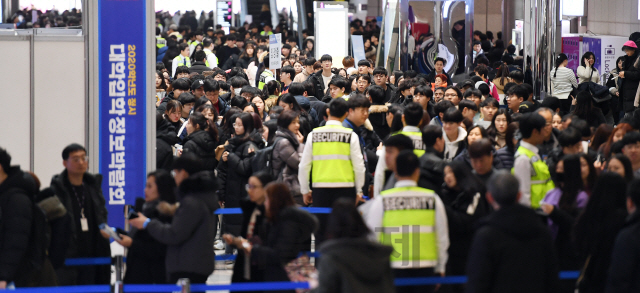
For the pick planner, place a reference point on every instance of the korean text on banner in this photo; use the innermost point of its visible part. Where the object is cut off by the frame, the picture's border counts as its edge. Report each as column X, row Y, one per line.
column 122, row 102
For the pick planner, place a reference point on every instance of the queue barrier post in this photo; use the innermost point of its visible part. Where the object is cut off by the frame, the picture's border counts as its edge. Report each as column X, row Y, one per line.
column 118, row 286
column 185, row 285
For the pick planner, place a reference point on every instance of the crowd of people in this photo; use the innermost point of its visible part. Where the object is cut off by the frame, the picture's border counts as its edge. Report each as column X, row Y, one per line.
column 424, row 177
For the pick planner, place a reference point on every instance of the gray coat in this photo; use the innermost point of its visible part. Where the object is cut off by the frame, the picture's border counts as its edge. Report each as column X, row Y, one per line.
column 189, row 237
column 286, row 158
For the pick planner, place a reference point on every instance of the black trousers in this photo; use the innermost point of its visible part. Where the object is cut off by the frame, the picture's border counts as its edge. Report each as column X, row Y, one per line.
column 324, row 198
column 414, row 273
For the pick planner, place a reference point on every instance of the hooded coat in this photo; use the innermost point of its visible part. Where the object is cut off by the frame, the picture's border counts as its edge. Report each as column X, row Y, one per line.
column 455, row 147
column 15, row 224
column 201, row 144
column 286, row 158
column 512, row 251
column 629, row 84
column 166, row 137
column 234, row 175
column 287, row 236
column 355, row 265
column 190, row 235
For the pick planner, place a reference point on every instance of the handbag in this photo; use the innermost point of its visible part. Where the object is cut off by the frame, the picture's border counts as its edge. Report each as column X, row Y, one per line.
column 599, row 93
column 301, row 270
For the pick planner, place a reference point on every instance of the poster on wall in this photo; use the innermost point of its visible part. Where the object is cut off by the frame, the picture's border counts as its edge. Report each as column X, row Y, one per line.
column 122, row 103
column 571, row 48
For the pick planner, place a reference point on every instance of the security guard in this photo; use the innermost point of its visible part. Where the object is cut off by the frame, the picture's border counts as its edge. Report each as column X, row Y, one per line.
column 412, row 120
column 212, row 60
column 266, row 75
column 532, row 172
column 338, row 167
column 182, row 59
column 413, row 221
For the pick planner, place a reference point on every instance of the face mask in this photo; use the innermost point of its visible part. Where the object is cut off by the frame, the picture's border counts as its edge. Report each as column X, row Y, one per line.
column 237, row 91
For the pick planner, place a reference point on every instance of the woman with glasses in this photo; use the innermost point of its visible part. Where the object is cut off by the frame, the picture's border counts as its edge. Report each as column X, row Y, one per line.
column 253, row 228
column 586, row 70
column 234, row 169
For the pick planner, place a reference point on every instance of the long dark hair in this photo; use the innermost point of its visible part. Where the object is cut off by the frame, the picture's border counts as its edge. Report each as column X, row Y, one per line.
column 345, row 221
column 626, row 163
column 607, row 201
column 244, row 52
column 503, row 73
column 509, row 136
column 227, row 123
column 280, row 198
column 197, row 119
column 561, row 58
column 492, row 130
column 587, row 55
column 166, row 185
column 584, row 106
column 571, row 184
column 163, row 85
column 291, row 100
column 465, row 180
column 247, row 123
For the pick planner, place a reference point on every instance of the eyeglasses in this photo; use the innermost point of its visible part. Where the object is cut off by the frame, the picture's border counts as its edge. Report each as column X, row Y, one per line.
column 250, row 187
column 80, row 159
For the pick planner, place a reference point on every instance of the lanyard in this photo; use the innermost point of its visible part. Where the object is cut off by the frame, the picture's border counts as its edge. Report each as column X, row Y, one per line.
column 80, row 203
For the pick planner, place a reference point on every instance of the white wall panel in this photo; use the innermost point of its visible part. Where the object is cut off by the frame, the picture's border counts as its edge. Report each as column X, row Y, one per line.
column 60, row 106
column 15, row 99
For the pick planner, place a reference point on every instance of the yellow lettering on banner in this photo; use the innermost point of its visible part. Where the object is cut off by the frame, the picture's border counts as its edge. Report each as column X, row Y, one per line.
column 132, row 106
column 131, row 82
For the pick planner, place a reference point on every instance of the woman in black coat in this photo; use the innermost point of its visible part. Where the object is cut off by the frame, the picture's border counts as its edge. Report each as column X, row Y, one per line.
column 201, row 140
column 253, row 229
column 464, row 197
column 146, row 256
column 287, row 151
column 596, row 230
column 630, row 77
column 235, row 169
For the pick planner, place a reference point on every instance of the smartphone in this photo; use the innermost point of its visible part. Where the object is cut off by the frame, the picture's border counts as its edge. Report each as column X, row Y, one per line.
column 131, row 211
column 104, row 227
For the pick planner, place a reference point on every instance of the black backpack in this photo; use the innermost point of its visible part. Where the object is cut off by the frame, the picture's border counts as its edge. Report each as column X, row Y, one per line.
column 262, row 160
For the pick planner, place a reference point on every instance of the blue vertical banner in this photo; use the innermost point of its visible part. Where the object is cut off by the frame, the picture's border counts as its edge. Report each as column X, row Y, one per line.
column 122, row 41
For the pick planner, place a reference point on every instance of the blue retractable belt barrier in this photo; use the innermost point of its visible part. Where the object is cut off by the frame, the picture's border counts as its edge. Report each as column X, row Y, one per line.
column 87, row 261
column 238, row 211
column 263, row 286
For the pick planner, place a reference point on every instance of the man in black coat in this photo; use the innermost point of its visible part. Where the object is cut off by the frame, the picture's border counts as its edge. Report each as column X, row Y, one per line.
column 15, row 221
column 431, row 162
column 81, row 194
column 512, row 250
column 199, row 66
column 624, row 272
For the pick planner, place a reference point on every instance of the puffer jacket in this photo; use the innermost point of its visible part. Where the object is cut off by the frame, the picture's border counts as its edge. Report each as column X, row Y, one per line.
column 286, row 158
column 629, row 85
column 165, row 138
column 189, row 237
column 201, row 144
column 505, row 155
column 234, row 174
column 15, row 224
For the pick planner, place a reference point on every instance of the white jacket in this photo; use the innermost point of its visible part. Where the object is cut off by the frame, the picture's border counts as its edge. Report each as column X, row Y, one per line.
column 451, row 147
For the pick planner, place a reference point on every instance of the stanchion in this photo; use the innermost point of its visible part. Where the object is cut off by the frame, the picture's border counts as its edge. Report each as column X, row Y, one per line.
column 185, row 285
column 118, row 286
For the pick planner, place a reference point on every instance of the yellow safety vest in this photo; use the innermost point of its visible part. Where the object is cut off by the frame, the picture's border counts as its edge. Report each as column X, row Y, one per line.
column 541, row 181
column 416, row 137
column 331, row 165
column 270, row 33
column 263, row 77
column 206, row 61
column 409, row 225
column 182, row 61
column 161, row 42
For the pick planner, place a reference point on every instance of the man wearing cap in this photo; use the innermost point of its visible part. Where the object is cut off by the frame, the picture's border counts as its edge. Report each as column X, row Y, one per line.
column 630, row 77
column 197, row 88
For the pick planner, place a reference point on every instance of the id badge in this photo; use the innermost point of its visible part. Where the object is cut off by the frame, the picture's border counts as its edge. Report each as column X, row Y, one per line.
column 84, row 224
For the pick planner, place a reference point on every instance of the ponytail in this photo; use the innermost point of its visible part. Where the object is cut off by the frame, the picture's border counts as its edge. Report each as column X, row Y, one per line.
column 561, row 58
